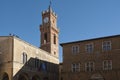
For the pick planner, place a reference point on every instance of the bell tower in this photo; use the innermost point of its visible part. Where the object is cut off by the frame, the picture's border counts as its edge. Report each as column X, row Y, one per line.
column 49, row 32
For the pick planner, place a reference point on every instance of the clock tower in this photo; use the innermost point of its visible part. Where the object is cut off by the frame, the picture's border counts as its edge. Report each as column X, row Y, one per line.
column 49, row 32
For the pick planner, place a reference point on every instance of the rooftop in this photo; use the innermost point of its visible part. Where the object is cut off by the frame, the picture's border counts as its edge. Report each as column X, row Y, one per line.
column 90, row 39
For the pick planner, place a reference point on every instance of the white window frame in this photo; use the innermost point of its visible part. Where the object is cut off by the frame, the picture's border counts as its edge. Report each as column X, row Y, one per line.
column 75, row 49
column 75, row 67
column 105, row 46
column 89, row 48
column 89, row 67
column 107, row 65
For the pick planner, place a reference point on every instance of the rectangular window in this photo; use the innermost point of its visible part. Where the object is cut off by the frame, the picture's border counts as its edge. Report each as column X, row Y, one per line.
column 89, row 48
column 37, row 63
column 54, row 41
column 107, row 65
column 75, row 67
column 106, row 46
column 89, row 66
column 75, row 49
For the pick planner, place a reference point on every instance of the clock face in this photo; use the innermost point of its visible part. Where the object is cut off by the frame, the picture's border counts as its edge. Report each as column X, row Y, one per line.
column 46, row 20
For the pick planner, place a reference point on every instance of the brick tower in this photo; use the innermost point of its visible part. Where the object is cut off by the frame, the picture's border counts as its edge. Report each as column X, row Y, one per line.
column 49, row 32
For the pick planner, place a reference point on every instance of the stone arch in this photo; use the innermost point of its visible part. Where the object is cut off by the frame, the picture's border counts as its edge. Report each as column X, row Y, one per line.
column 45, row 78
column 97, row 77
column 23, row 76
column 5, row 76
column 36, row 77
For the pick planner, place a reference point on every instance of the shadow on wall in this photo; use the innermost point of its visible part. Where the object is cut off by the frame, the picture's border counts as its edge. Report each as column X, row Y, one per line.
column 34, row 69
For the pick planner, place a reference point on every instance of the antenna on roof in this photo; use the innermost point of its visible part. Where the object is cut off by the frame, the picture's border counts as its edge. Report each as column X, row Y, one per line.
column 50, row 5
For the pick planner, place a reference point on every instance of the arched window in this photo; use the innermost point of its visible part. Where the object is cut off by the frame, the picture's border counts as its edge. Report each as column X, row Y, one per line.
column 24, row 58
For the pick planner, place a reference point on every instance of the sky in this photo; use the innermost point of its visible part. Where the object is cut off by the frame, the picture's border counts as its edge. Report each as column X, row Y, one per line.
column 77, row 19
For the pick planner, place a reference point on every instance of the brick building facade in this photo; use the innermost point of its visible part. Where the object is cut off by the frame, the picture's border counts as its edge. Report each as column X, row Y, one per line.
column 92, row 59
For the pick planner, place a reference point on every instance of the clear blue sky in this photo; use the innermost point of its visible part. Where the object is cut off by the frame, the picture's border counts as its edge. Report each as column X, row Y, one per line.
column 77, row 19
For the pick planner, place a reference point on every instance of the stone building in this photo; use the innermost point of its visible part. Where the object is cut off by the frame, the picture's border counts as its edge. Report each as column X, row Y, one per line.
column 92, row 59
column 20, row 60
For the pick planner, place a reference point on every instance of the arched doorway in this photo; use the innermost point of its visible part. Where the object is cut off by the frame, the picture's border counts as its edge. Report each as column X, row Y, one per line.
column 5, row 76
column 23, row 77
column 97, row 77
column 36, row 78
